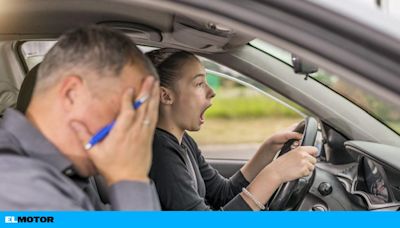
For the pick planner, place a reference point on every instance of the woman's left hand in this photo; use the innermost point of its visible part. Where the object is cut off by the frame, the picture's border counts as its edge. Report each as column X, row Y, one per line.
column 276, row 141
column 268, row 150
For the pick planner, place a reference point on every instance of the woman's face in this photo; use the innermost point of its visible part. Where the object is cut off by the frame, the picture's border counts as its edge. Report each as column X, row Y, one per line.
column 192, row 96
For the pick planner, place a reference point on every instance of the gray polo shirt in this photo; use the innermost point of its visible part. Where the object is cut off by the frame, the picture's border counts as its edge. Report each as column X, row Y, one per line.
column 34, row 175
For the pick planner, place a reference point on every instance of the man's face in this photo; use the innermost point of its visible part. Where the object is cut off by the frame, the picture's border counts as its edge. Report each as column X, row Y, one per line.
column 104, row 100
column 100, row 104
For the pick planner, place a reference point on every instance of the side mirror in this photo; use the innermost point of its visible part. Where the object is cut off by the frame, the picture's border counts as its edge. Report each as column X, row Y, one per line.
column 300, row 66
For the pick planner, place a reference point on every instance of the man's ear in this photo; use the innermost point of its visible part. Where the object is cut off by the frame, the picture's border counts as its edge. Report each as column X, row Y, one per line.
column 70, row 90
column 166, row 96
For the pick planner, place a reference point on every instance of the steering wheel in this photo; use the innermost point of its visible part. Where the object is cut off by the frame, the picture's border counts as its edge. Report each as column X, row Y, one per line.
column 290, row 193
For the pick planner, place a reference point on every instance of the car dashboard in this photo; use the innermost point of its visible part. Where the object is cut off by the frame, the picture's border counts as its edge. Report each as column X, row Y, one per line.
column 370, row 182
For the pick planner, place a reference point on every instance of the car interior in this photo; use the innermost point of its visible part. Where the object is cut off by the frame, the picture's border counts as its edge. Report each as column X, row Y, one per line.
column 359, row 161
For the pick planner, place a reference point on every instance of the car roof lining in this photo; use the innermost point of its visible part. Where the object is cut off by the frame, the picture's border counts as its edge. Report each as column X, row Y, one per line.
column 144, row 25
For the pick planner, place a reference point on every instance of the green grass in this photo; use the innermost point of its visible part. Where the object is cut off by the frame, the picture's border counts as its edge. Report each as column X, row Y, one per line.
column 255, row 106
column 238, row 131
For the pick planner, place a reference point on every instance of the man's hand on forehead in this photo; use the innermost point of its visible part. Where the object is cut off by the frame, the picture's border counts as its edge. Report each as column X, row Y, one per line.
column 125, row 154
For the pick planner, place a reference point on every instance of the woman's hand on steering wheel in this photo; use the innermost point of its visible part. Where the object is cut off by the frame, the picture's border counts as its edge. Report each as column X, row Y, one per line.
column 267, row 151
column 295, row 164
column 282, row 175
column 274, row 143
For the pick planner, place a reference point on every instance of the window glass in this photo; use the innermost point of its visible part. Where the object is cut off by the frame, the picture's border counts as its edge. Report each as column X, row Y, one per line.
column 244, row 113
column 34, row 51
column 272, row 50
column 385, row 111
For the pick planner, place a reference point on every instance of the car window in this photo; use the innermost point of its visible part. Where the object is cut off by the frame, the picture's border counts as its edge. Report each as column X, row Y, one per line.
column 33, row 52
column 244, row 113
column 383, row 110
column 273, row 51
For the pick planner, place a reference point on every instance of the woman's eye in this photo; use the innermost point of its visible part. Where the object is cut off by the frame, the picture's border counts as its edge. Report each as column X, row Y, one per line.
column 200, row 84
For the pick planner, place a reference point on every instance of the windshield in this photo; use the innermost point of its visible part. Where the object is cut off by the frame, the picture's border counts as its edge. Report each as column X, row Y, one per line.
column 382, row 110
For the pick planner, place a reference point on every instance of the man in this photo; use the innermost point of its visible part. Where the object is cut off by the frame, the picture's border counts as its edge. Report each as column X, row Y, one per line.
column 87, row 80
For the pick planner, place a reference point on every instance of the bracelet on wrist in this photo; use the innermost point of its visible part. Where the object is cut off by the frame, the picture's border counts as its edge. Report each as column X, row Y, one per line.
column 255, row 201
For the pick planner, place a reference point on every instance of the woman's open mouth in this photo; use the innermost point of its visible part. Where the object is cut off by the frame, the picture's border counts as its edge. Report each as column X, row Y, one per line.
column 202, row 115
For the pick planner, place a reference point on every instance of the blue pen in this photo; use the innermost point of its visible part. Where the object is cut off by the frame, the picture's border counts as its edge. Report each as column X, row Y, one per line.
column 100, row 135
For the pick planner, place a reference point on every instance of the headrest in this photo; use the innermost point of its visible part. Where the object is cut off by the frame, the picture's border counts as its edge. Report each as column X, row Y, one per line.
column 25, row 93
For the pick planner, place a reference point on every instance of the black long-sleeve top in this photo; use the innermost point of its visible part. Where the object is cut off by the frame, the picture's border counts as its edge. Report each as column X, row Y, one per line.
column 185, row 181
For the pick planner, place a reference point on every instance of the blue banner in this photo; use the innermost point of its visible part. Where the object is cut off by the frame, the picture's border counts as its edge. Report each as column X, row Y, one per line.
column 200, row 219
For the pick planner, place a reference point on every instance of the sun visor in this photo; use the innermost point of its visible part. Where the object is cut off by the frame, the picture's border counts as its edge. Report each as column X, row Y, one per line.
column 197, row 39
column 135, row 31
column 204, row 35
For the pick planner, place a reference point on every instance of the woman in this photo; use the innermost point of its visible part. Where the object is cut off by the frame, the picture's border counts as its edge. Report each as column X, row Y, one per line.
column 184, row 180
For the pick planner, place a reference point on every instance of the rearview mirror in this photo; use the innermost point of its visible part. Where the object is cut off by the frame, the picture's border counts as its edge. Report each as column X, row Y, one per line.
column 300, row 66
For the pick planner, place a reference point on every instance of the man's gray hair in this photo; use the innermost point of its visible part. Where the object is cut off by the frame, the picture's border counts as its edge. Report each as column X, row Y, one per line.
column 90, row 49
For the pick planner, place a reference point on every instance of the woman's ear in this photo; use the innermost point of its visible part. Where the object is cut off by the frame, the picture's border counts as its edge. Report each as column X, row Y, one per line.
column 166, row 96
